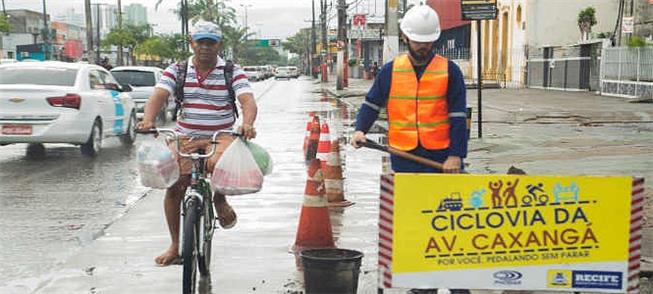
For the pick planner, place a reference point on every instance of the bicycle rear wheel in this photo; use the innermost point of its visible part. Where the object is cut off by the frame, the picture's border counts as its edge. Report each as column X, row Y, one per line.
column 188, row 249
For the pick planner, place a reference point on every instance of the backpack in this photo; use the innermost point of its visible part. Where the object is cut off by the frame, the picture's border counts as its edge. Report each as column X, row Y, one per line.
column 228, row 71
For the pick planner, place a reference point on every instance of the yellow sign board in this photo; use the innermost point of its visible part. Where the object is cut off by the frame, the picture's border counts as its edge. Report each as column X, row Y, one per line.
column 513, row 228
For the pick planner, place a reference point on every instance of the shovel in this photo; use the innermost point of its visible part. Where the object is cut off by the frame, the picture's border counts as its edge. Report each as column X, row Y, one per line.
column 434, row 164
column 421, row 160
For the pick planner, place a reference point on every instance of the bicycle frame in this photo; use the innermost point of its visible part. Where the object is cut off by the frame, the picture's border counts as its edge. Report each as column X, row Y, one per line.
column 198, row 226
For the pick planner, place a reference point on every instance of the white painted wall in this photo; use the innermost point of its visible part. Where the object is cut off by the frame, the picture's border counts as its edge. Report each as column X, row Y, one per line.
column 554, row 22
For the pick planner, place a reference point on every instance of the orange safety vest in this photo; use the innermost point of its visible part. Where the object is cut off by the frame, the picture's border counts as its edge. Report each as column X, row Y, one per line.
column 417, row 110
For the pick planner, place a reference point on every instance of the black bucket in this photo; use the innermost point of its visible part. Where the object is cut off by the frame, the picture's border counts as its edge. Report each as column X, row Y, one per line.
column 331, row 270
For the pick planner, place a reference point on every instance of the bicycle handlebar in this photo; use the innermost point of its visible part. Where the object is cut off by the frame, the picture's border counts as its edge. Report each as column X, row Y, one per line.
column 174, row 135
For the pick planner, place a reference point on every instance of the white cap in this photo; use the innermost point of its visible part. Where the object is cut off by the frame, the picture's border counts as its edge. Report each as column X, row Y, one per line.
column 421, row 24
column 206, row 30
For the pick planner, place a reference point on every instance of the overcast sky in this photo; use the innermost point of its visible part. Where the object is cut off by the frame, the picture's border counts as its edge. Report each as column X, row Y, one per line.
column 267, row 18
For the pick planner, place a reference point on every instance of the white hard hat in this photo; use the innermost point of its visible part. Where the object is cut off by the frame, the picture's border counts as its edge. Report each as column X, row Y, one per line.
column 421, row 24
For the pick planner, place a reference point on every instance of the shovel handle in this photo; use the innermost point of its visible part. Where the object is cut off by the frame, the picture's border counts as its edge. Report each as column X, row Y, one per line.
column 430, row 163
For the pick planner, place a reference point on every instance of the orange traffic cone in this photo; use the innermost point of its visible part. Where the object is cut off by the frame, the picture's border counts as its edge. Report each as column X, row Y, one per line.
column 309, row 123
column 314, row 230
column 333, row 181
column 324, row 146
column 313, row 140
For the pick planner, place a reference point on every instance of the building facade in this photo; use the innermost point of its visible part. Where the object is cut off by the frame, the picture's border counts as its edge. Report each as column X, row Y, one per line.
column 108, row 18
column 522, row 30
column 135, row 14
column 72, row 17
column 26, row 28
column 69, row 41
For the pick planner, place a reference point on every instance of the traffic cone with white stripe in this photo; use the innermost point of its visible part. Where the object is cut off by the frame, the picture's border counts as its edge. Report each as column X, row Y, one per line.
column 333, row 180
column 324, row 146
column 314, row 230
column 313, row 140
column 309, row 123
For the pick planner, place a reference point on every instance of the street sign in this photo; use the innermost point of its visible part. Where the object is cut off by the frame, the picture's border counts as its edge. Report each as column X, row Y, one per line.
column 359, row 20
column 627, row 25
column 261, row 43
column 510, row 232
column 274, row 42
column 478, row 9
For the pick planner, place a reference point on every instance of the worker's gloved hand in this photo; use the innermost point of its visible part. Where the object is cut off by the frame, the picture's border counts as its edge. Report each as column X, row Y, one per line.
column 357, row 138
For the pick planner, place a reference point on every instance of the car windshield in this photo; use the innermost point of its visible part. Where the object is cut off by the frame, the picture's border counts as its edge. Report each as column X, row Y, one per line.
column 135, row 78
column 250, row 68
column 47, row 76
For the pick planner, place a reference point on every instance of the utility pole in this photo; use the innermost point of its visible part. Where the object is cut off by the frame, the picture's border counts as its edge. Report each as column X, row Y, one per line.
column 325, row 44
column 184, row 25
column 97, row 30
column 119, row 28
column 391, row 38
column 312, row 51
column 4, row 11
column 89, row 31
column 342, row 44
column 46, row 33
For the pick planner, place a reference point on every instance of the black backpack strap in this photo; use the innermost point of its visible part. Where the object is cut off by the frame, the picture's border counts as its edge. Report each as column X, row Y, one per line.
column 179, row 87
column 229, row 79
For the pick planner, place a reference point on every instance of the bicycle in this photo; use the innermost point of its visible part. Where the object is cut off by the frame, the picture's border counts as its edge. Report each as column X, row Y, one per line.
column 197, row 213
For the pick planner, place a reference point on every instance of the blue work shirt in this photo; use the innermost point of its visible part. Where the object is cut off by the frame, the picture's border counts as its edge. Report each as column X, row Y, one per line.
column 377, row 97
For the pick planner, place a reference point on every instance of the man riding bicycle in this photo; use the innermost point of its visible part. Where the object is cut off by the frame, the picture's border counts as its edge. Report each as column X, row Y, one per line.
column 206, row 108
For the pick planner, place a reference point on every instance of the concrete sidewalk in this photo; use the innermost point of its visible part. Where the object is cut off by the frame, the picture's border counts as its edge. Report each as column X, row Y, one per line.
column 554, row 133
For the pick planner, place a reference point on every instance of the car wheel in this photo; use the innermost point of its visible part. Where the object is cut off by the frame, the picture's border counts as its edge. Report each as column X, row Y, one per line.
column 94, row 144
column 35, row 150
column 129, row 137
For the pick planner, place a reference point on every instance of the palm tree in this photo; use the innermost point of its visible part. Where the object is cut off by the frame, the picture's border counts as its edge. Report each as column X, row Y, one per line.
column 586, row 19
column 218, row 12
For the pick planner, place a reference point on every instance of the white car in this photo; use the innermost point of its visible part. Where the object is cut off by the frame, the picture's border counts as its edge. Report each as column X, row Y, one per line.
column 142, row 80
column 57, row 102
column 284, row 72
column 254, row 73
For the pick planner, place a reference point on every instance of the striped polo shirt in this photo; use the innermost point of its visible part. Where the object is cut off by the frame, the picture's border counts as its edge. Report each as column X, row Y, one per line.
column 206, row 107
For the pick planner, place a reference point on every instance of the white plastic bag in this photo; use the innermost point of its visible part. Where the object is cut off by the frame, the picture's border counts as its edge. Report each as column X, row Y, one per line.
column 156, row 165
column 236, row 172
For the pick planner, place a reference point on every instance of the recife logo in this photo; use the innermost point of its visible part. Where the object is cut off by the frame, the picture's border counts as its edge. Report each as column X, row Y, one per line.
column 507, row 277
column 596, row 280
column 559, row 279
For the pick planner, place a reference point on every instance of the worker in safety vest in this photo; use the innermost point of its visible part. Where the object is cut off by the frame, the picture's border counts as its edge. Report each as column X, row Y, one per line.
column 425, row 99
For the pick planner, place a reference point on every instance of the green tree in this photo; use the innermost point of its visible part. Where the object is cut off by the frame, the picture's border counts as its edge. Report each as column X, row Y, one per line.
column 220, row 13
column 636, row 42
column 139, row 33
column 234, row 41
column 119, row 37
column 153, row 48
column 298, row 42
column 261, row 56
column 175, row 43
column 586, row 19
column 5, row 27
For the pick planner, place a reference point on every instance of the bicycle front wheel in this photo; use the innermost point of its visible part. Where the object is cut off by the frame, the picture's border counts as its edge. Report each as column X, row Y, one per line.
column 188, row 249
column 204, row 256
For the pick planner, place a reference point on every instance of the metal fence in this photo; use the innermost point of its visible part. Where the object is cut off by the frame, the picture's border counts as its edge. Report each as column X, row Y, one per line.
column 458, row 53
column 627, row 72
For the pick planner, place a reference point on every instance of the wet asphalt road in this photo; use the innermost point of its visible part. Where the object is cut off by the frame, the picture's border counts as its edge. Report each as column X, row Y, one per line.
column 53, row 206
